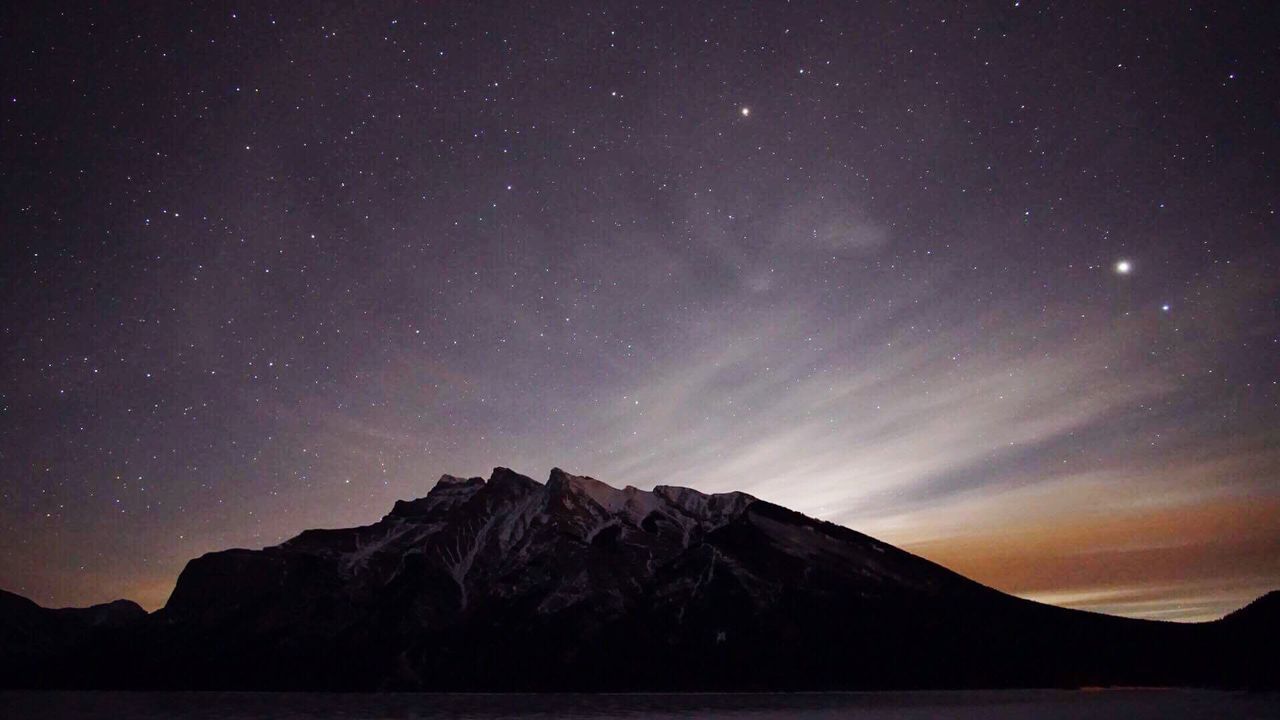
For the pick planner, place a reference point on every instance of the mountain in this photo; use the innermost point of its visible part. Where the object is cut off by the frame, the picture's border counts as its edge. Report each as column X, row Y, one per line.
column 32, row 636
column 509, row 584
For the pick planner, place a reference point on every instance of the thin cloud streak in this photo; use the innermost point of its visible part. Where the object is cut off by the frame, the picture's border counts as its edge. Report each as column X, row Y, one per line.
column 882, row 444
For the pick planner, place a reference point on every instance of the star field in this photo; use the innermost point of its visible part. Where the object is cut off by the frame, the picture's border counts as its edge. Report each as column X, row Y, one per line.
column 996, row 283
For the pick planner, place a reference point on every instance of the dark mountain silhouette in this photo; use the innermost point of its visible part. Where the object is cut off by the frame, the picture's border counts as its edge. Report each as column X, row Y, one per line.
column 509, row 584
column 34, row 638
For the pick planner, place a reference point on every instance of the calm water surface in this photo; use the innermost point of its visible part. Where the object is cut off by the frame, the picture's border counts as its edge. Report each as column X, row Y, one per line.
column 1004, row 705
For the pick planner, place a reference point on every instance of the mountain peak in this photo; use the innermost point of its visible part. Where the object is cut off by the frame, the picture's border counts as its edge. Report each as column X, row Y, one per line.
column 698, row 503
column 449, row 492
column 448, row 481
column 603, row 494
column 507, row 479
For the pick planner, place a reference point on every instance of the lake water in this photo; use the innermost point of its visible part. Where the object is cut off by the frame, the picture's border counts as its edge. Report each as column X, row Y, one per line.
column 1002, row 705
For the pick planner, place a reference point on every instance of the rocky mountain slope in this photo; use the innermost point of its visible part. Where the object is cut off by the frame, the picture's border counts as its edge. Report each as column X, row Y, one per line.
column 510, row 584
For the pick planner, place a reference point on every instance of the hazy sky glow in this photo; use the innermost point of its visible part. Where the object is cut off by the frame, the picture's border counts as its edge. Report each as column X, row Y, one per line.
column 996, row 285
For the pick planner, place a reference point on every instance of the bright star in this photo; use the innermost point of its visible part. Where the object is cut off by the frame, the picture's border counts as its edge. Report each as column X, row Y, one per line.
column 746, row 112
column 1124, row 267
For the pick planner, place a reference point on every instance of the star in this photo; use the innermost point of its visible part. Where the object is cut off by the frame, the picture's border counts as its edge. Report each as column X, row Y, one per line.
column 655, row 248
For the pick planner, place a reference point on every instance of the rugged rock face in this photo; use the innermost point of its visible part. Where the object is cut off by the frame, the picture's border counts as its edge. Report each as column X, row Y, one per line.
column 510, row 584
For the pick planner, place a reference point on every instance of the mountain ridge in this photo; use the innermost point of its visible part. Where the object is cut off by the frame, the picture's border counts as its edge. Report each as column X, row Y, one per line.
column 512, row 584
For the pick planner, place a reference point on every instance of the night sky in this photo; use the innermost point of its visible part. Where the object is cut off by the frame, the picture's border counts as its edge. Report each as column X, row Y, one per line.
column 997, row 283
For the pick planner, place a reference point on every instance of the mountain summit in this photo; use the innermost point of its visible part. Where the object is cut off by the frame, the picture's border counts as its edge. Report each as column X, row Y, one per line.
column 512, row 584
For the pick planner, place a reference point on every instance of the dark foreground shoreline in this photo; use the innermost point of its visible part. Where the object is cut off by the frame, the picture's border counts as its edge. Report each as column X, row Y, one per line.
column 1091, row 703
